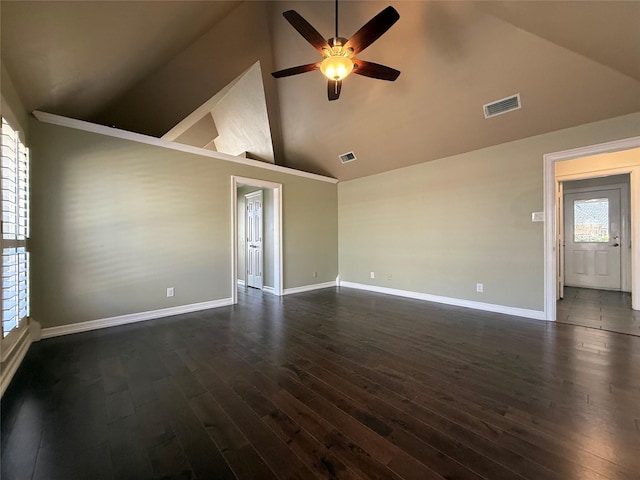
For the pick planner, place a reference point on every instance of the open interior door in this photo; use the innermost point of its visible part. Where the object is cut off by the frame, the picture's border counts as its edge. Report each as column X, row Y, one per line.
column 560, row 240
column 253, row 229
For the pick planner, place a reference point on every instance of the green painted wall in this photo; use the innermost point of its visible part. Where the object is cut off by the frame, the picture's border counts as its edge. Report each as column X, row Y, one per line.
column 440, row 227
column 115, row 222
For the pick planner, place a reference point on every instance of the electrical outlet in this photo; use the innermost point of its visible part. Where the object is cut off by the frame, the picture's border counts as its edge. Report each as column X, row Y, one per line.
column 373, row 274
column 170, row 292
column 479, row 287
column 315, row 274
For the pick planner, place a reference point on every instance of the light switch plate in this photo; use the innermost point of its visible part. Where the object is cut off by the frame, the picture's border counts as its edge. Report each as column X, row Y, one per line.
column 537, row 217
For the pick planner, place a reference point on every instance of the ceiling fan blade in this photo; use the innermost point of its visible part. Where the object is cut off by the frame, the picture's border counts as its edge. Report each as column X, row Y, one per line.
column 333, row 89
column 375, row 70
column 287, row 72
column 372, row 30
column 305, row 29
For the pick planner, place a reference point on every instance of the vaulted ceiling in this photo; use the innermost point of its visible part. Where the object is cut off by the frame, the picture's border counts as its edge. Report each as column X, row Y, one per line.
column 144, row 66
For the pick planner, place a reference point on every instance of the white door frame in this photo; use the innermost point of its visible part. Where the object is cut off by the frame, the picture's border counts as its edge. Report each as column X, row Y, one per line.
column 550, row 185
column 277, row 232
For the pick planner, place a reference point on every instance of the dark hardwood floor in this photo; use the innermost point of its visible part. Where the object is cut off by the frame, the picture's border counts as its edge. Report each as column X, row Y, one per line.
column 327, row 384
column 601, row 309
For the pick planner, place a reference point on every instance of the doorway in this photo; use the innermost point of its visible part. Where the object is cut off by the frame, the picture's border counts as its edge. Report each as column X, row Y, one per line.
column 267, row 238
column 596, row 251
column 621, row 157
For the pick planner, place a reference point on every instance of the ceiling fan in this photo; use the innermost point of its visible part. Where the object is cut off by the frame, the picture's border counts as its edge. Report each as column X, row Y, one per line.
column 339, row 53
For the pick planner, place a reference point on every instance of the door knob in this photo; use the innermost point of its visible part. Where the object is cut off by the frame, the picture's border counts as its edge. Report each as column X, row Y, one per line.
column 615, row 245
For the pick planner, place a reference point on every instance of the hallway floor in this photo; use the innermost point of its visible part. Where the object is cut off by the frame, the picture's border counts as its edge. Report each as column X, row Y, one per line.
column 601, row 309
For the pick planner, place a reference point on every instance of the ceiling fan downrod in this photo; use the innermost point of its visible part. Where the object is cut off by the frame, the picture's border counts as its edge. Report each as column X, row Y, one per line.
column 336, row 35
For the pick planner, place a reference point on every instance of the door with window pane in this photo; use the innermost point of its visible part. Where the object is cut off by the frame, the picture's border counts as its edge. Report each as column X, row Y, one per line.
column 15, row 229
column 592, row 231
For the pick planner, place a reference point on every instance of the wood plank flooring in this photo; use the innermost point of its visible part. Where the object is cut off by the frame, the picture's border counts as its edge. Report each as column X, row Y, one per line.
column 602, row 309
column 335, row 383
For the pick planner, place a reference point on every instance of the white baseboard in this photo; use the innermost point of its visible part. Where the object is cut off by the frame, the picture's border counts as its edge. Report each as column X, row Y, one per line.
column 487, row 307
column 132, row 318
column 308, row 288
column 14, row 362
column 240, row 283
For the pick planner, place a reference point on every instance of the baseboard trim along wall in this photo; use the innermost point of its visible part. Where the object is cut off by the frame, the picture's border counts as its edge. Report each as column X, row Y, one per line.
column 487, row 307
column 308, row 288
column 132, row 318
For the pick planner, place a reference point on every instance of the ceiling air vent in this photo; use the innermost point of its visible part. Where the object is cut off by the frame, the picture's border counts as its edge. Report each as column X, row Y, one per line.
column 347, row 157
column 502, row 106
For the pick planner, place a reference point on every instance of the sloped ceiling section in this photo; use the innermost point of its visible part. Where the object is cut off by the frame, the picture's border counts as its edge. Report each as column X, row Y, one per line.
column 454, row 58
column 145, row 66
column 192, row 77
column 586, row 29
column 242, row 119
column 234, row 121
column 76, row 58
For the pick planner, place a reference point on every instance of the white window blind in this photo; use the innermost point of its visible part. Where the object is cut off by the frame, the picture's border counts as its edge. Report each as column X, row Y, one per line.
column 14, row 183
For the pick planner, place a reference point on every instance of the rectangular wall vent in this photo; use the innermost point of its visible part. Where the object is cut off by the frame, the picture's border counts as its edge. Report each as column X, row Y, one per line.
column 502, row 106
column 347, row 157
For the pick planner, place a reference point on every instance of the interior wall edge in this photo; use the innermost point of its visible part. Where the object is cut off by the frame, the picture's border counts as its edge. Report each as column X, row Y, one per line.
column 13, row 362
column 11, row 107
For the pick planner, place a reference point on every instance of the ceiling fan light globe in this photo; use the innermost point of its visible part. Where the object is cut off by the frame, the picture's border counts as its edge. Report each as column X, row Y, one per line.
column 336, row 67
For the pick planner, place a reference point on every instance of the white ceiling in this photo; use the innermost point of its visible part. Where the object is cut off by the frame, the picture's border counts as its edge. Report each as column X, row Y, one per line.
column 146, row 65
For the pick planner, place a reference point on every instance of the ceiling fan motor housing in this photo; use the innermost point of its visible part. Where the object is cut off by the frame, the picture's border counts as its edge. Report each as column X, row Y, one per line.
column 337, row 43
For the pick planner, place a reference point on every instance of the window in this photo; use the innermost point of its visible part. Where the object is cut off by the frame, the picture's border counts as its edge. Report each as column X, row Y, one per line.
column 14, row 183
column 591, row 220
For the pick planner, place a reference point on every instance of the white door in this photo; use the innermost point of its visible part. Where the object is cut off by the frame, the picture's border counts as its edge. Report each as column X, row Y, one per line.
column 253, row 228
column 560, row 240
column 592, row 239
